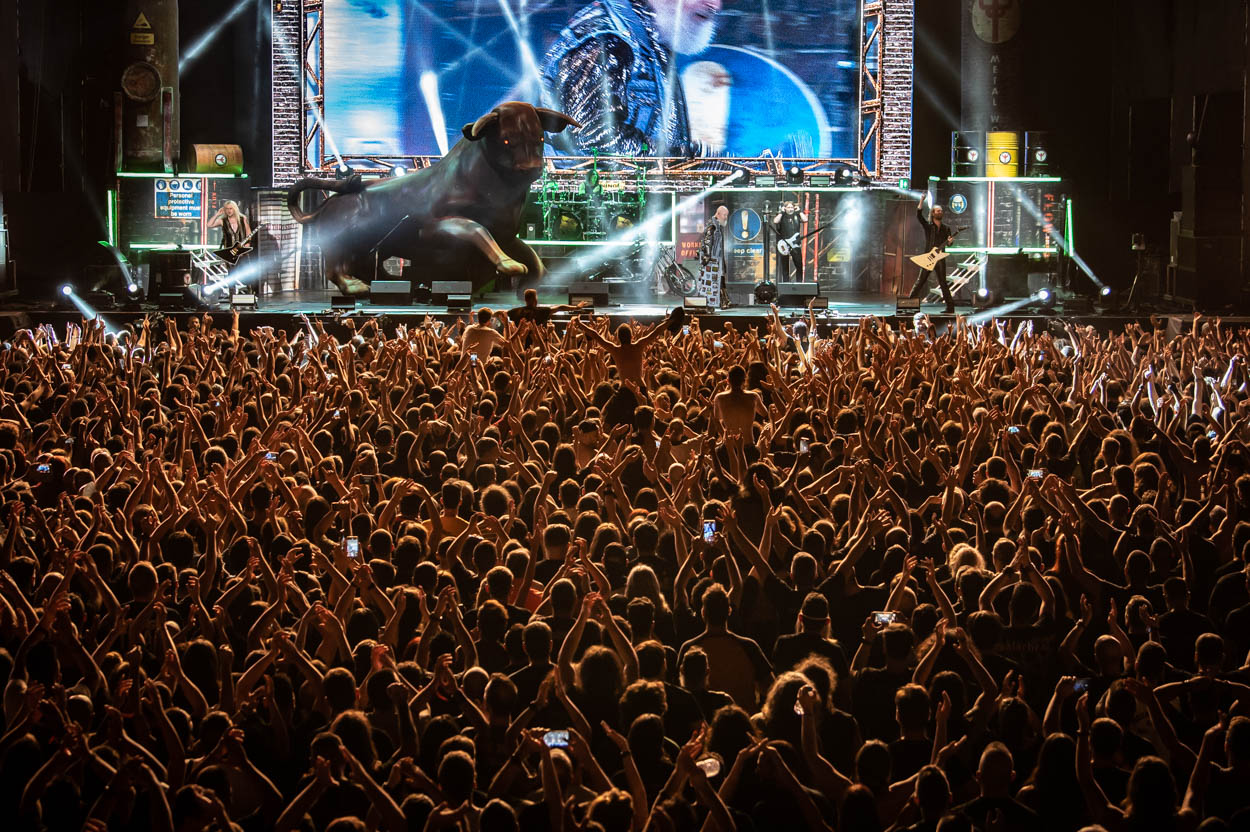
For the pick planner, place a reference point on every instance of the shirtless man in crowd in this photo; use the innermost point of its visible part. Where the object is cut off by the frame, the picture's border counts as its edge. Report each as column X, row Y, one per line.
column 735, row 408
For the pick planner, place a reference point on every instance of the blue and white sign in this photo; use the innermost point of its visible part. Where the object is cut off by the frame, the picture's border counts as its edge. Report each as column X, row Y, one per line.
column 744, row 224
column 959, row 203
column 179, row 199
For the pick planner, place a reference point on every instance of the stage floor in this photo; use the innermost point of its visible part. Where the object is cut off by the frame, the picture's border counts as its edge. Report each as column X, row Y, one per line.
column 277, row 309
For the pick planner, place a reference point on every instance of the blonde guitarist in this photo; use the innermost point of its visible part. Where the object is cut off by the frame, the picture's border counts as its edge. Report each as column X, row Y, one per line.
column 937, row 236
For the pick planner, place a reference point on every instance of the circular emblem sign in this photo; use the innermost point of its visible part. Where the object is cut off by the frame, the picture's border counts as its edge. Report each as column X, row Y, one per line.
column 220, row 160
column 1004, row 158
column 995, row 21
column 1040, row 155
column 959, row 203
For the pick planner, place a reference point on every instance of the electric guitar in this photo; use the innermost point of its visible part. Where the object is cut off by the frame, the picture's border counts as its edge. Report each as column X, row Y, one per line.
column 232, row 254
column 789, row 244
column 935, row 255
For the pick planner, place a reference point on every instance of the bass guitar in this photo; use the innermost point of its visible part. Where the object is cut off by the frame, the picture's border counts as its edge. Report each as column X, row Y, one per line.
column 935, row 255
column 232, row 254
column 786, row 245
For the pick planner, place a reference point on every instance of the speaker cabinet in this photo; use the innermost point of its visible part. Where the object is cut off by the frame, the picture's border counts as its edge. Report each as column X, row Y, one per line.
column 390, row 293
column 1210, row 200
column 171, row 270
column 795, row 294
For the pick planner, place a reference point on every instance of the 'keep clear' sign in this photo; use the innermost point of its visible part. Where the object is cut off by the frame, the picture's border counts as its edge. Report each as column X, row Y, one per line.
column 179, row 199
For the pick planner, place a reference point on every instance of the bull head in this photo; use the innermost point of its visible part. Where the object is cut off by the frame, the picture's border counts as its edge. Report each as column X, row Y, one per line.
column 514, row 132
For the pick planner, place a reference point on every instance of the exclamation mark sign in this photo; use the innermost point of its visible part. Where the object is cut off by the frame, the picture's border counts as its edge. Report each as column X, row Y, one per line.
column 746, row 224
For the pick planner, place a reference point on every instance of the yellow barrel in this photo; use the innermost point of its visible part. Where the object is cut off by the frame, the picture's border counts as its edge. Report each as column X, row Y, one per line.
column 216, row 158
column 1002, row 158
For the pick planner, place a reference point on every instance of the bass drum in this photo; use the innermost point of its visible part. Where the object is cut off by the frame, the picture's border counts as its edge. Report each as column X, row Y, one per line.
column 568, row 225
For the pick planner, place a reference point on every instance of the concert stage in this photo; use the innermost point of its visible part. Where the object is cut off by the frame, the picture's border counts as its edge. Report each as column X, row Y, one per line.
column 282, row 309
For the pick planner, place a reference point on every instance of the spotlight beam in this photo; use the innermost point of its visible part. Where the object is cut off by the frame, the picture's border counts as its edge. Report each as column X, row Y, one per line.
column 1063, row 240
column 990, row 314
column 438, row 124
column 196, row 49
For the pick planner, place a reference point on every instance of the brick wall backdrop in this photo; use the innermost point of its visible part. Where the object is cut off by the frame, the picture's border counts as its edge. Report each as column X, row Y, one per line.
column 287, row 79
column 897, row 69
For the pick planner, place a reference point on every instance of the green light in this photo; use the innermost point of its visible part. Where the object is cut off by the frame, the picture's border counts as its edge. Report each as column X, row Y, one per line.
column 904, row 184
column 1005, row 179
column 165, row 246
column 112, row 209
column 579, row 242
column 145, row 175
column 1069, row 230
column 823, row 189
column 1002, row 250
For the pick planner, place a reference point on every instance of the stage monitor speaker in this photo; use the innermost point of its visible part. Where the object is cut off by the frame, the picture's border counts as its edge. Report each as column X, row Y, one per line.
column 796, row 294
column 170, row 270
column 1037, row 153
column 820, row 302
column 459, row 303
column 243, row 300
column 968, row 153
column 440, row 290
column 390, row 292
column 906, row 305
column 215, row 158
column 586, row 290
column 694, row 302
column 342, row 302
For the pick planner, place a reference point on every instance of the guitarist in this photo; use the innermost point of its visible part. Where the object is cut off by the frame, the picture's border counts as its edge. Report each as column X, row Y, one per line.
column 936, row 235
column 234, row 225
column 789, row 224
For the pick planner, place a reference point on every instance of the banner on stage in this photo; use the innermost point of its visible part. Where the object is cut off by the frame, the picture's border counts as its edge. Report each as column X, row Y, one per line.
column 644, row 77
column 178, row 199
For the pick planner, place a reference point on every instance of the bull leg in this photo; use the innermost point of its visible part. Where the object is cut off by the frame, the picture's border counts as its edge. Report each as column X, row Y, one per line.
column 458, row 230
column 522, row 253
column 339, row 272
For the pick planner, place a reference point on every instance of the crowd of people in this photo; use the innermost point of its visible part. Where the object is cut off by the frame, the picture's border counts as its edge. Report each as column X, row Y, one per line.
column 529, row 571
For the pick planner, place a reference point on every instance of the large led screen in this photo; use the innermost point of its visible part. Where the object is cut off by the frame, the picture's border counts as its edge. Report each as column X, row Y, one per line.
column 643, row 77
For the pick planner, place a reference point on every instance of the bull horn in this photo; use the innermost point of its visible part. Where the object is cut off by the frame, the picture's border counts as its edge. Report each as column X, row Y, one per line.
column 473, row 131
column 554, row 121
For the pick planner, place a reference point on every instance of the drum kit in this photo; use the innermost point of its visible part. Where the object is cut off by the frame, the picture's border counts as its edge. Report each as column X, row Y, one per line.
column 575, row 217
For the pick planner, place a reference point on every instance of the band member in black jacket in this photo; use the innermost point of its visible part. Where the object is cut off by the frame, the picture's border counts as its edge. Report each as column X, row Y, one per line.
column 936, row 235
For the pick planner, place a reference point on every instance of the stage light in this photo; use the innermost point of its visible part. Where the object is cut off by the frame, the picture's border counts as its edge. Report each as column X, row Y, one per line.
column 132, row 288
column 343, row 171
column 844, row 176
column 398, row 170
column 983, row 292
column 67, row 289
column 794, row 175
column 1105, row 291
column 1044, row 295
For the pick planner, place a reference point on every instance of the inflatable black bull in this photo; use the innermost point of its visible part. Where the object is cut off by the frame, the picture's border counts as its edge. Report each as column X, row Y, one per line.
column 456, row 219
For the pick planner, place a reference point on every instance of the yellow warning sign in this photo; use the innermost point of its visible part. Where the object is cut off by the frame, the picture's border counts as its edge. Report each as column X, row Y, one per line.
column 141, row 22
column 143, row 38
